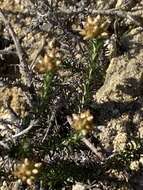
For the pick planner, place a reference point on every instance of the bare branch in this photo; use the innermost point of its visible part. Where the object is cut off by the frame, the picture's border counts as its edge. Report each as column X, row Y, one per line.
column 4, row 144
column 99, row 156
column 49, row 126
column 37, row 53
column 32, row 124
column 23, row 67
column 110, row 12
column 119, row 13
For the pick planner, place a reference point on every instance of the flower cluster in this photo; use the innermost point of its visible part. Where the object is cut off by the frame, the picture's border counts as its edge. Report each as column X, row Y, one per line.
column 51, row 59
column 27, row 171
column 82, row 122
column 94, row 27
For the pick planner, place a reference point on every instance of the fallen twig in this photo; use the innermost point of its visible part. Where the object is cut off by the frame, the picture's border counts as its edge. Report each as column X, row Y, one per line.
column 4, row 142
column 49, row 126
column 112, row 12
column 32, row 124
column 23, row 66
column 37, row 54
column 119, row 13
column 99, row 156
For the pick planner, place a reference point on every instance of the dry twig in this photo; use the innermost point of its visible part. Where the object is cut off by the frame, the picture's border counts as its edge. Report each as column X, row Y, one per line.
column 37, row 54
column 32, row 124
column 4, row 142
column 119, row 13
column 111, row 12
column 99, row 156
column 23, row 66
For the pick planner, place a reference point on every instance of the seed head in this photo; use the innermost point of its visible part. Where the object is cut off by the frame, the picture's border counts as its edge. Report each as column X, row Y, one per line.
column 82, row 122
column 94, row 27
column 26, row 171
column 51, row 59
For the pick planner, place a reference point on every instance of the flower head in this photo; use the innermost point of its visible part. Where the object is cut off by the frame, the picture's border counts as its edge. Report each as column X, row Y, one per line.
column 94, row 27
column 27, row 171
column 82, row 122
column 51, row 59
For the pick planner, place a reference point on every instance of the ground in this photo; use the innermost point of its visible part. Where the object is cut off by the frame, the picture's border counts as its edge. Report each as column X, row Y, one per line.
column 71, row 118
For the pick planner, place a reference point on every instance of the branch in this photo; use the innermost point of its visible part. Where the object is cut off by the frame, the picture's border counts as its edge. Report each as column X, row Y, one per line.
column 37, row 54
column 4, row 144
column 23, row 67
column 99, row 156
column 119, row 13
column 110, row 12
column 32, row 124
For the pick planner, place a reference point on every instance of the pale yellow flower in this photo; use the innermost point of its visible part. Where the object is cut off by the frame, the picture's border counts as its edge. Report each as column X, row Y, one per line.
column 94, row 27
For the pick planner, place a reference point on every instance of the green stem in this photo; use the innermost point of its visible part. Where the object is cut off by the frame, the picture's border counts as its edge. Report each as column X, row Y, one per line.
column 95, row 46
